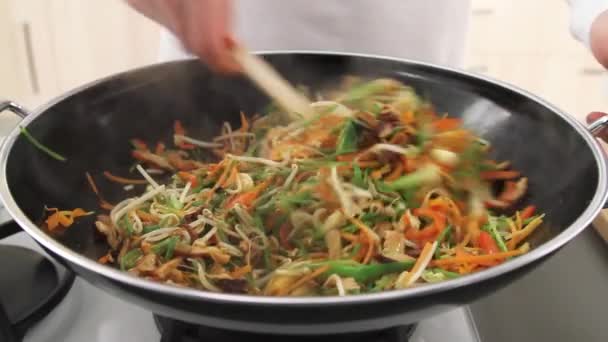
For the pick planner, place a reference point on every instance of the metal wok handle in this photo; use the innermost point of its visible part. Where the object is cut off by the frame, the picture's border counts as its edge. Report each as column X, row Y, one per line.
column 5, row 228
column 598, row 125
column 13, row 107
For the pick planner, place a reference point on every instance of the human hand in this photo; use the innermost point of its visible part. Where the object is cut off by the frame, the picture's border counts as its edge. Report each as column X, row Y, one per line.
column 593, row 117
column 203, row 27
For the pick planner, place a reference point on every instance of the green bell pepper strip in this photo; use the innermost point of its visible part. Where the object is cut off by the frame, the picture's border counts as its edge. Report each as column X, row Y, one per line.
column 363, row 273
column 347, row 140
column 422, row 176
column 130, row 258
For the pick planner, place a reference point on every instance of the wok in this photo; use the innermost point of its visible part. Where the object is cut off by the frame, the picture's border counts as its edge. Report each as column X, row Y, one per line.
column 92, row 126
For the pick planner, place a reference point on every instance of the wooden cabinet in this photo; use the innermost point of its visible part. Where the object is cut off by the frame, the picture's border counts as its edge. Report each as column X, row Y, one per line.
column 96, row 38
column 27, row 63
column 528, row 44
column 51, row 46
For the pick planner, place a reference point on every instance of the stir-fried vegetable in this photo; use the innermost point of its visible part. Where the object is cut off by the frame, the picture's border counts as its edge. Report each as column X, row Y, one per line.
column 373, row 192
column 40, row 146
column 63, row 218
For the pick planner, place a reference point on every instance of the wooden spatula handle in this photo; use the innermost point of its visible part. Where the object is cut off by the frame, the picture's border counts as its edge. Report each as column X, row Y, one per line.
column 261, row 73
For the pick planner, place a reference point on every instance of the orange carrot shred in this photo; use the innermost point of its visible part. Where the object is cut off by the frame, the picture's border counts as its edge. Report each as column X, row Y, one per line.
column 123, row 180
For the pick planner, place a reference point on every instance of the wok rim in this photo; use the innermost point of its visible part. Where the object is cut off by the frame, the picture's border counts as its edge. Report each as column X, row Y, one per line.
column 582, row 222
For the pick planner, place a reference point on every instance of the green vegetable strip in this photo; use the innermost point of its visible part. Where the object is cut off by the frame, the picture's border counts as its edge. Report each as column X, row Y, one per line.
column 491, row 228
column 40, row 146
column 171, row 247
column 415, row 179
column 130, row 258
column 364, row 273
column 358, row 178
column 442, row 236
column 347, row 140
column 166, row 247
column 127, row 225
column 364, row 90
column 447, row 274
column 150, row 228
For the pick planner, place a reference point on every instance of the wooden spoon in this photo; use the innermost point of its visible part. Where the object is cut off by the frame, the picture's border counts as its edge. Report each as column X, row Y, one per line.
column 269, row 81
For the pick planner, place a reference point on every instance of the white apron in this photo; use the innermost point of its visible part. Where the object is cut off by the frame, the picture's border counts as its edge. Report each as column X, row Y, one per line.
column 431, row 31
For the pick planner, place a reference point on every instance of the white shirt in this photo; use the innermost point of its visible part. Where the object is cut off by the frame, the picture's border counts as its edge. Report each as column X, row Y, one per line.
column 582, row 15
column 431, row 31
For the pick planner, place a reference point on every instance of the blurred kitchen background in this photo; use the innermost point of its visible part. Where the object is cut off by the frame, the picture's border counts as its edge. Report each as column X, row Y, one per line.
column 50, row 46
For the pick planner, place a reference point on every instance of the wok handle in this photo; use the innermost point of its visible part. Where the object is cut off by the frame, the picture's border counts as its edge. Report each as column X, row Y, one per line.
column 7, row 229
column 598, row 125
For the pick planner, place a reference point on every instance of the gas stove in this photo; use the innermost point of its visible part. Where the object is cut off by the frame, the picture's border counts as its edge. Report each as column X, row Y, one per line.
column 85, row 313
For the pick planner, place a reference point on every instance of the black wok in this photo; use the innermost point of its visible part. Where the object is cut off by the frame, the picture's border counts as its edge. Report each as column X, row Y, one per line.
column 92, row 126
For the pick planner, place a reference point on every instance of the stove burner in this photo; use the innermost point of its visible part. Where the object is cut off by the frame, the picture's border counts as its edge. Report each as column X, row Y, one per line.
column 177, row 331
column 31, row 287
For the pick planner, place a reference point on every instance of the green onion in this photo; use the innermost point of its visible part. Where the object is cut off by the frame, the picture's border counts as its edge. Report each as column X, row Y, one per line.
column 347, row 140
column 130, row 258
column 40, row 146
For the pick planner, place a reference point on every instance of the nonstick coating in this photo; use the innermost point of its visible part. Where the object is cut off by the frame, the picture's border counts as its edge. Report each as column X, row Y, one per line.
column 93, row 125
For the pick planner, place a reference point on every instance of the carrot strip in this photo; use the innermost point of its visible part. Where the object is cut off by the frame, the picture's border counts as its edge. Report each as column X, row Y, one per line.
column 528, row 212
column 475, row 259
column 102, row 202
column 499, row 175
column 446, row 124
column 234, row 173
column 520, row 235
column 377, row 174
column 240, row 271
column 349, row 237
column 92, row 184
column 395, row 173
column 146, row 217
column 123, row 180
column 188, row 177
column 244, row 123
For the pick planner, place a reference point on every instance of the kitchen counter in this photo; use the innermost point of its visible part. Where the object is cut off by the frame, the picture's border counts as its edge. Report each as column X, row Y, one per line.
column 564, row 299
